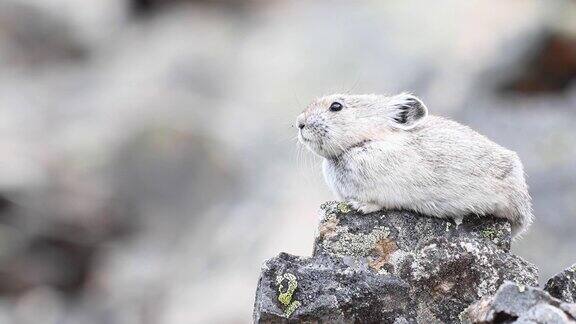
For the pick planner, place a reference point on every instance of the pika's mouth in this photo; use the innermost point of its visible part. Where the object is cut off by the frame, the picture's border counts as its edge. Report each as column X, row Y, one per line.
column 359, row 144
column 302, row 137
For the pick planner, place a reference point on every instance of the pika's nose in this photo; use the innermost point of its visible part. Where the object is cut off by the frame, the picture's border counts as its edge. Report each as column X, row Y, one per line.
column 301, row 125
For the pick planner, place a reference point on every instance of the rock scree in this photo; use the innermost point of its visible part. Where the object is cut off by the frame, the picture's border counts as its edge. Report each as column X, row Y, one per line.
column 390, row 267
column 563, row 285
column 514, row 303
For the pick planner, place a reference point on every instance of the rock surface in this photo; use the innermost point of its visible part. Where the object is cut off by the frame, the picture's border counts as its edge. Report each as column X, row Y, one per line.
column 514, row 303
column 389, row 267
column 563, row 285
column 328, row 288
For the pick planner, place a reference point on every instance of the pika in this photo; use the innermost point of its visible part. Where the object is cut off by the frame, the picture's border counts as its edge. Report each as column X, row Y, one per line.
column 387, row 152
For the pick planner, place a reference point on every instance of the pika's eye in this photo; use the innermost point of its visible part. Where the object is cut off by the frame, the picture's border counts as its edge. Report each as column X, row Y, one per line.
column 335, row 106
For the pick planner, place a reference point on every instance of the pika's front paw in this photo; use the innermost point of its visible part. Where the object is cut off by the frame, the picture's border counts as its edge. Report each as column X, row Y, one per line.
column 365, row 208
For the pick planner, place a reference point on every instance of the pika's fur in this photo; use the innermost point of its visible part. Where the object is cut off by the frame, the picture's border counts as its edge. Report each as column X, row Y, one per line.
column 385, row 152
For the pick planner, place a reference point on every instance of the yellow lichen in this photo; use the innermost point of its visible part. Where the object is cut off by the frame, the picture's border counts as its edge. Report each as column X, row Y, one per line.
column 291, row 308
column 286, row 293
column 344, row 208
column 490, row 233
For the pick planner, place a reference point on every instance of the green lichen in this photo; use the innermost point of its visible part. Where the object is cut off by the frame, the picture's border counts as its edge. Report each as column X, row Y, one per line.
column 287, row 293
column 490, row 233
column 356, row 244
column 291, row 308
column 286, row 296
column 344, row 208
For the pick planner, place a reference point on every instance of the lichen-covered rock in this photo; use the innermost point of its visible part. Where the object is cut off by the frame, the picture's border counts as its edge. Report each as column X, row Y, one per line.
column 389, row 267
column 329, row 288
column 563, row 285
column 514, row 303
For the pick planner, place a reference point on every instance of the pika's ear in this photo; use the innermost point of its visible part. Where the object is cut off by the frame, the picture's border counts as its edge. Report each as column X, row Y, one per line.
column 406, row 111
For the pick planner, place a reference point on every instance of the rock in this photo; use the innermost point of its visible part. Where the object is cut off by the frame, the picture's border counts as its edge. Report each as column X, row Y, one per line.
column 328, row 288
column 550, row 67
column 389, row 267
column 563, row 285
column 34, row 37
column 514, row 303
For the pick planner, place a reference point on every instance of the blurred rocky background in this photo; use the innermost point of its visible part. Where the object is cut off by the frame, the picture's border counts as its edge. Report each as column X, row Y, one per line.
column 148, row 163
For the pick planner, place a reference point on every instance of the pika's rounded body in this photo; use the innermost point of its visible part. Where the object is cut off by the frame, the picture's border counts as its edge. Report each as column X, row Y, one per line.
column 392, row 155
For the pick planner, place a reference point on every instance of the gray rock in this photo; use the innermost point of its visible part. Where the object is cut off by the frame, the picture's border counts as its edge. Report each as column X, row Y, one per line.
column 389, row 267
column 514, row 303
column 563, row 285
column 544, row 313
column 34, row 37
column 327, row 288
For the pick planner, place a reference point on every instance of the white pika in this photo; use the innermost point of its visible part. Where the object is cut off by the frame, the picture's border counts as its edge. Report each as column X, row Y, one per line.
column 385, row 152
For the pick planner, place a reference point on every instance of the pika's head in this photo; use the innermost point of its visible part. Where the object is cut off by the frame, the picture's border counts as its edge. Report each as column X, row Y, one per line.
column 333, row 124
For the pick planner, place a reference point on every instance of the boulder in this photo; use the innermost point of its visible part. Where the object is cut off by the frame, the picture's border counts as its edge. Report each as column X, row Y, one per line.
column 514, row 303
column 389, row 267
column 326, row 288
column 563, row 285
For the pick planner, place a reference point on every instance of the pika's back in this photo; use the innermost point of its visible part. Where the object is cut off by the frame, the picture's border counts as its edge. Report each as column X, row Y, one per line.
column 440, row 141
